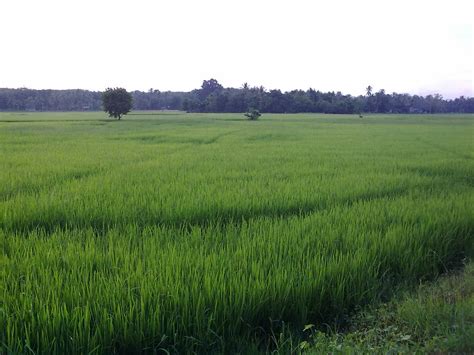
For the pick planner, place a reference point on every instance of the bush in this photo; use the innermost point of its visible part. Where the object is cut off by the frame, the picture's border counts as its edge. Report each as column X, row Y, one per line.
column 253, row 114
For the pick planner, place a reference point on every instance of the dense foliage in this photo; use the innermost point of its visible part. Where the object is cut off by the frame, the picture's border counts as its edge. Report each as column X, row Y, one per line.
column 170, row 232
column 117, row 102
column 213, row 97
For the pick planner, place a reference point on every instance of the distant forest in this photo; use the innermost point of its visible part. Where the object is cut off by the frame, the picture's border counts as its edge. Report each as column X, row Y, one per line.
column 213, row 97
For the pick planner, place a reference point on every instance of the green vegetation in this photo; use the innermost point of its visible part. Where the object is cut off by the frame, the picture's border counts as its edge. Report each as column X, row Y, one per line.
column 117, row 102
column 438, row 318
column 207, row 232
column 253, row 114
column 213, row 97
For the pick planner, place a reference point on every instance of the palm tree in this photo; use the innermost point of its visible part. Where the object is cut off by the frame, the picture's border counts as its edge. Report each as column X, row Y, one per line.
column 369, row 90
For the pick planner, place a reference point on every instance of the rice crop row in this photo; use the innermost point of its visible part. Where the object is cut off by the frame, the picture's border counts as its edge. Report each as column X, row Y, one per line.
column 206, row 232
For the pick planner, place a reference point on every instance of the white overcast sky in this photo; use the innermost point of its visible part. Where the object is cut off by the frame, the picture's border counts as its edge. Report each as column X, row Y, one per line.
column 413, row 46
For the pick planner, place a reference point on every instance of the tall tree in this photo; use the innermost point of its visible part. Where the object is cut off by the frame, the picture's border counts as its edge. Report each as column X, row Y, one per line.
column 369, row 90
column 209, row 87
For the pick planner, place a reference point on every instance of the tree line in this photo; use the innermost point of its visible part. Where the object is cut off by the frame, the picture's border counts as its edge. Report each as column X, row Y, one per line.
column 213, row 97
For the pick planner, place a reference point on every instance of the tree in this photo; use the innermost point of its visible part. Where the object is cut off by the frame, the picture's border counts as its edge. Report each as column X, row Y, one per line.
column 382, row 101
column 253, row 114
column 369, row 90
column 369, row 103
column 117, row 102
column 209, row 87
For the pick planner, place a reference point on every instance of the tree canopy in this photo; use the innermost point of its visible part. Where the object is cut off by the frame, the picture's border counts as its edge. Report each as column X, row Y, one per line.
column 117, row 102
column 213, row 97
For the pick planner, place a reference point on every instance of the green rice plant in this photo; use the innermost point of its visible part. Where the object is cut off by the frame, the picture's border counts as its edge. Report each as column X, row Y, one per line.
column 169, row 232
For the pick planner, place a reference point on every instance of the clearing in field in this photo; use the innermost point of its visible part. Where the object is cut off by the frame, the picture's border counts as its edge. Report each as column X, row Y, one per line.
column 207, row 232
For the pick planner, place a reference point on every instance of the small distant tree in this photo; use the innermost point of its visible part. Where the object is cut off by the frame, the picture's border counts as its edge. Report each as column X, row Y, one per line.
column 117, row 102
column 369, row 101
column 368, row 90
column 253, row 114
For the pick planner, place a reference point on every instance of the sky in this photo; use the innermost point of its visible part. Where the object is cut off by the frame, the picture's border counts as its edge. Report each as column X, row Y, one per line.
column 415, row 46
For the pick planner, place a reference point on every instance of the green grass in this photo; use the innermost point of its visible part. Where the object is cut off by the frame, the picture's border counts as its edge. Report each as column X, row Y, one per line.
column 207, row 232
column 436, row 318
